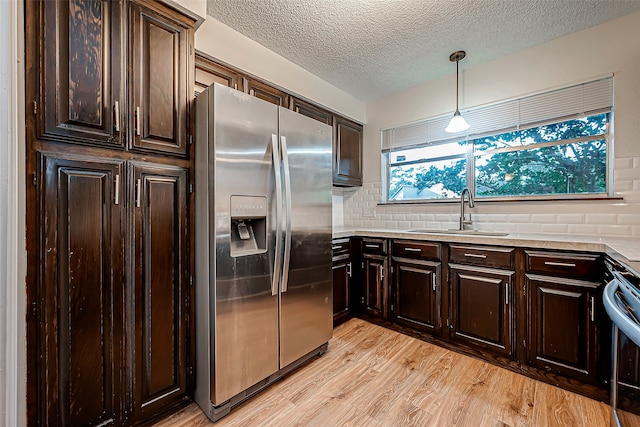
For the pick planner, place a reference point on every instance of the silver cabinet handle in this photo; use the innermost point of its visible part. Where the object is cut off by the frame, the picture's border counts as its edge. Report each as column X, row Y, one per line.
column 475, row 256
column 560, row 264
column 381, row 273
column 371, row 246
column 506, row 293
column 335, row 248
column 137, row 120
column 117, row 195
column 116, row 111
column 412, row 250
column 349, row 269
column 138, row 191
column 593, row 309
column 433, row 280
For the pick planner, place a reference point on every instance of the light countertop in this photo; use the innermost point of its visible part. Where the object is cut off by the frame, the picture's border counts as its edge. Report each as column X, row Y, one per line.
column 625, row 250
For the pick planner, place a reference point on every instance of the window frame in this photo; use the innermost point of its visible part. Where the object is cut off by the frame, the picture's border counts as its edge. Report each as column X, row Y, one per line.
column 471, row 155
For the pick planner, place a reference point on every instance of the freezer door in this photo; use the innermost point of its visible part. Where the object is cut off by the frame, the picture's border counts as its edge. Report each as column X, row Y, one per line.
column 245, row 306
column 306, row 298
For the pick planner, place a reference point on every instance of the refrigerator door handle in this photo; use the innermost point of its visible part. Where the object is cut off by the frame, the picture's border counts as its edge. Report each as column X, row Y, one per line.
column 287, row 196
column 277, row 259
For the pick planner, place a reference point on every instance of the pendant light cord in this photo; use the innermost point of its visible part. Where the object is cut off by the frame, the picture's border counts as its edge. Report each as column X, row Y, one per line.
column 457, row 78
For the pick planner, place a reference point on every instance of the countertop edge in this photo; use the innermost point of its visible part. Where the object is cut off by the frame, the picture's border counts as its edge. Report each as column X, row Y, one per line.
column 623, row 249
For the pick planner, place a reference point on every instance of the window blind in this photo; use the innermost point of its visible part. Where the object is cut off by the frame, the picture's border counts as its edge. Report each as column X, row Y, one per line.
column 574, row 101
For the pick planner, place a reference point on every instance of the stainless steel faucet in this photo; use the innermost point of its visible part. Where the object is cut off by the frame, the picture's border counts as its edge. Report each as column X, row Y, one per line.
column 465, row 224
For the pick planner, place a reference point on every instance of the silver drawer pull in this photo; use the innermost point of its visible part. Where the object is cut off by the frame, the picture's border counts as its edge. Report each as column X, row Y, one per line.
column 475, row 256
column 372, row 246
column 412, row 250
column 559, row 264
column 335, row 248
column 433, row 280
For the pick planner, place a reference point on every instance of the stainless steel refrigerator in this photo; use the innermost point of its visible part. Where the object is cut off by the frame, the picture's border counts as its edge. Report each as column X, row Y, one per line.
column 263, row 245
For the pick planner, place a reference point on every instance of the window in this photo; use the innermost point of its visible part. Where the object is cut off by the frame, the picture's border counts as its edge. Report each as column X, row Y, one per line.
column 564, row 156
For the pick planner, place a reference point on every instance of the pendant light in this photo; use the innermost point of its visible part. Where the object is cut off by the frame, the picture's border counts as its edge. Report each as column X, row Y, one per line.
column 457, row 123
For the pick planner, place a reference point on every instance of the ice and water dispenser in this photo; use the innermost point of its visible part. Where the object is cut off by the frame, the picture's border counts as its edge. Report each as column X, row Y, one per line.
column 248, row 225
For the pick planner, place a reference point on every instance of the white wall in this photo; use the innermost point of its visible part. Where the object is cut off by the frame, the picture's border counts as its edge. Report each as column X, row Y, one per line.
column 12, row 218
column 612, row 47
column 229, row 46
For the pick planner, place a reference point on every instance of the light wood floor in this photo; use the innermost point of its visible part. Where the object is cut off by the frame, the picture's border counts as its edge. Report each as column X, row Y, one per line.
column 372, row 377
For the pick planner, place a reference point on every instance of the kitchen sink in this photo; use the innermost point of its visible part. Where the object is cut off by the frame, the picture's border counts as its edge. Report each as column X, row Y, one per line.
column 464, row 232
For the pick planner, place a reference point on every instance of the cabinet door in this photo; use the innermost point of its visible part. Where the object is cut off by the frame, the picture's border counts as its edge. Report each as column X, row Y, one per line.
column 160, row 267
column 482, row 307
column 80, row 291
column 265, row 92
column 312, row 111
column 416, row 294
column 341, row 289
column 80, row 59
column 209, row 72
column 347, row 153
column 562, row 328
column 160, row 44
column 375, row 289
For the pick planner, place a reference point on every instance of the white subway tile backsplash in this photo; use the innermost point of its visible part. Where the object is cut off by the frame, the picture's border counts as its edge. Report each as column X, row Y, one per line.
column 554, row 228
column 544, row 218
column 622, row 174
column 624, row 163
column 613, row 230
column 570, row 218
column 588, row 229
column 600, row 218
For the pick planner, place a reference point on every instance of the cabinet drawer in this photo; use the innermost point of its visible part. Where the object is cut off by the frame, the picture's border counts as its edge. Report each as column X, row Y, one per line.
column 374, row 246
column 486, row 256
column 416, row 250
column 340, row 246
column 571, row 265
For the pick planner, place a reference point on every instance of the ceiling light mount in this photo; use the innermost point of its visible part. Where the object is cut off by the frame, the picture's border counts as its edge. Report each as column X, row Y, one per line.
column 457, row 123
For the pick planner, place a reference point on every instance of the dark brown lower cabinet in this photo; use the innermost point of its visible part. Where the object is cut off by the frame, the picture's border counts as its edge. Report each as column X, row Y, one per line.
column 158, row 303
column 417, row 296
column 112, row 330
column 562, row 330
column 375, row 288
column 341, row 288
column 482, row 313
column 80, row 290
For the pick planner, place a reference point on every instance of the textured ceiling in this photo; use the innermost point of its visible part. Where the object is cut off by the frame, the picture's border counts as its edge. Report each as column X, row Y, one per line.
column 371, row 48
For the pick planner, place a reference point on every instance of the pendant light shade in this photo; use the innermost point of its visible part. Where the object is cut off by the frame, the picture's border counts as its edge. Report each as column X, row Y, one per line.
column 457, row 123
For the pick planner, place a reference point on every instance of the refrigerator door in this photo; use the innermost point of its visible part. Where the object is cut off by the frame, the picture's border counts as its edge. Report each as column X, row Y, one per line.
column 306, row 298
column 245, row 307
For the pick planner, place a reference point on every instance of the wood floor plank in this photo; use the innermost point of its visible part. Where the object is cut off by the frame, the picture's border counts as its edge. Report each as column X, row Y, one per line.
column 375, row 377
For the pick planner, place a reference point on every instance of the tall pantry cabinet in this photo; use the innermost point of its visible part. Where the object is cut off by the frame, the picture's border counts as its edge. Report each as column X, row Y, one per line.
column 108, row 123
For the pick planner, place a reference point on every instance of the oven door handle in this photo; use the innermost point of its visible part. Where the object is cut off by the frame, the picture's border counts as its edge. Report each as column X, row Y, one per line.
column 622, row 320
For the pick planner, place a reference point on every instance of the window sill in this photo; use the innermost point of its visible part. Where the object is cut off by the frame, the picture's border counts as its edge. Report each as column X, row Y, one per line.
column 506, row 200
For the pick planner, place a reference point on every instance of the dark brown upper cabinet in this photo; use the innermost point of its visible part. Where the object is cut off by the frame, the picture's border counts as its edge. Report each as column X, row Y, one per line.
column 266, row 92
column 80, row 292
column 347, row 153
column 209, row 72
column 161, row 63
column 313, row 111
column 79, row 63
